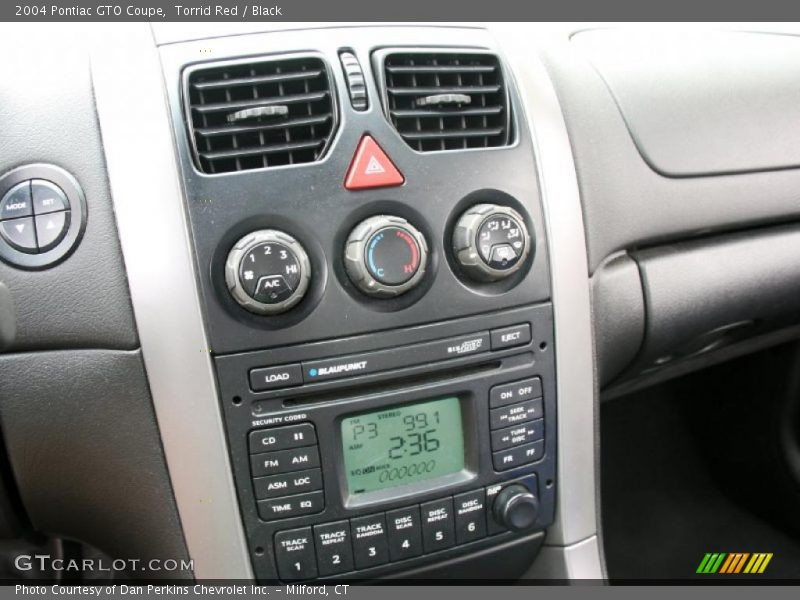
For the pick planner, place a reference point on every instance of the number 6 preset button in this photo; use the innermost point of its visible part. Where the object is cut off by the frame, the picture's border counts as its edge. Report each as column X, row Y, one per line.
column 370, row 546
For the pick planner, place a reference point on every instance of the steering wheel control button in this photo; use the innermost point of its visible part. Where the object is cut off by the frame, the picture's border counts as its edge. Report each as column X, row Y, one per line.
column 16, row 202
column 385, row 256
column 510, row 337
column 271, row 378
column 371, row 168
column 50, row 229
column 287, row 484
column 284, row 461
column 438, row 528
column 405, row 533
column 370, row 543
column 334, row 551
column 491, row 242
column 517, row 456
column 516, row 507
column 268, row 272
column 294, row 554
column 470, row 514
column 20, row 234
column 511, row 393
column 518, row 435
column 47, row 197
column 282, row 438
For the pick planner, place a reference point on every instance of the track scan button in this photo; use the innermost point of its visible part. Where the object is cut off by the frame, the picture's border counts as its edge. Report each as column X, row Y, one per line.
column 284, row 461
column 294, row 553
column 282, row 438
column 270, row 378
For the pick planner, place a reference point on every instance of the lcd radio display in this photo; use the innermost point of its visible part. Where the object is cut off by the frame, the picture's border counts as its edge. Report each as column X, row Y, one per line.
column 403, row 445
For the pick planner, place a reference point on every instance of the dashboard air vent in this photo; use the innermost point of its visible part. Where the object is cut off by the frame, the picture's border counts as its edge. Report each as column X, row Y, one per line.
column 447, row 101
column 260, row 114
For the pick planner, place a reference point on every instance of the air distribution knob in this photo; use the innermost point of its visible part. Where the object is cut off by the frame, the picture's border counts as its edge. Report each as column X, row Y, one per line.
column 385, row 256
column 267, row 272
column 516, row 508
column 491, row 242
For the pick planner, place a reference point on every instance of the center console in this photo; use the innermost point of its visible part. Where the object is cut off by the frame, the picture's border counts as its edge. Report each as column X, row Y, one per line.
column 368, row 236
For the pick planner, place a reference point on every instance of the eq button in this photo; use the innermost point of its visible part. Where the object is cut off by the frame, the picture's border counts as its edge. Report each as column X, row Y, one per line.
column 292, row 506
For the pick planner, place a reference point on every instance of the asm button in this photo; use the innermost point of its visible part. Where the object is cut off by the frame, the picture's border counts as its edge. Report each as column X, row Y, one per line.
column 287, row 484
column 291, row 506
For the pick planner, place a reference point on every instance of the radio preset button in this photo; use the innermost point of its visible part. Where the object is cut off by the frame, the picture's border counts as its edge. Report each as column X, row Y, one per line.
column 509, row 337
column 370, row 545
column 284, row 461
column 518, row 456
column 517, row 435
column 334, row 551
column 298, row 482
column 470, row 515
column 294, row 553
column 291, row 506
column 405, row 534
column 438, row 530
column 516, row 413
column 518, row 391
column 282, row 438
column 270, row 378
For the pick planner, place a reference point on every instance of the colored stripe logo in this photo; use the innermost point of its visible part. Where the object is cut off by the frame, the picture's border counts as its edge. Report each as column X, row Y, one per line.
column 734, row 563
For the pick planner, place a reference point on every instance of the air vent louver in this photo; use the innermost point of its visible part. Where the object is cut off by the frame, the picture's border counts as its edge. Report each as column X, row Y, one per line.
column 447, row 101
column 260, row 114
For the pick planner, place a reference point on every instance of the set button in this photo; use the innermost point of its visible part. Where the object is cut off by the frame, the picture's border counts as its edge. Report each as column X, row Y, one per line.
column 34, row 216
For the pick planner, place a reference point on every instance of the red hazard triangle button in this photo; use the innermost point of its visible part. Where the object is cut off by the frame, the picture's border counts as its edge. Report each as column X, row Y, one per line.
column 371, row 168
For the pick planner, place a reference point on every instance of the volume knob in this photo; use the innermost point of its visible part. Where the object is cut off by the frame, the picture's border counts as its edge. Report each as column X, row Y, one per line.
column 385, row 256
column 516, row 508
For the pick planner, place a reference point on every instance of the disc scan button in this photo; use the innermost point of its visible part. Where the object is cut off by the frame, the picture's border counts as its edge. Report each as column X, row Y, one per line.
column 270, row 378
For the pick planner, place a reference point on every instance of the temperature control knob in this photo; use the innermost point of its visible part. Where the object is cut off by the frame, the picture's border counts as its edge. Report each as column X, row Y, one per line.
column 385, row 256
column 516, row 508
column 491, row 242
column 267, row 272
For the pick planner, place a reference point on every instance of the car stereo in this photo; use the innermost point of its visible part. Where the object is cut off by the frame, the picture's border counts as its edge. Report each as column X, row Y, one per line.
column 362, row 457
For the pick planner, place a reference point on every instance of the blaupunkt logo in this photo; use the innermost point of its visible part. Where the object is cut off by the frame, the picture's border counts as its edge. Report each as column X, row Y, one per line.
column 734, row 563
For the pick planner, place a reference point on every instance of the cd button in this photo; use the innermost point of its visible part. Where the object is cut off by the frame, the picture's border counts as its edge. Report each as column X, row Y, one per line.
column 405, row 537
column 294, row 553
column 438, row 531
column 370, row 547
column 282, row 438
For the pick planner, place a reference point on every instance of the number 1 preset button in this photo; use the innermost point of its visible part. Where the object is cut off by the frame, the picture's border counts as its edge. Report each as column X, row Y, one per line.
column 294, row 553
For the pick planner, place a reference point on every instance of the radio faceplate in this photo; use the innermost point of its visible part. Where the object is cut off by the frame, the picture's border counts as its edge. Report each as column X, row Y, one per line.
column 495, row 386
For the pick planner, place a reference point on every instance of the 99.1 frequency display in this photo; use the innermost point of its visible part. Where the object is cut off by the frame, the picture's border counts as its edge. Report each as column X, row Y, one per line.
column 403, row 445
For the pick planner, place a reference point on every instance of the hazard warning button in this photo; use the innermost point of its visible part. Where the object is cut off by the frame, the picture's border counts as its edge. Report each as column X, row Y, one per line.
column 371, row 168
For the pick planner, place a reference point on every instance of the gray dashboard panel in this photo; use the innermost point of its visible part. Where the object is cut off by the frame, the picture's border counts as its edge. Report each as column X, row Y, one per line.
column 703, row 102
column 47, row 115
column 626, row 203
